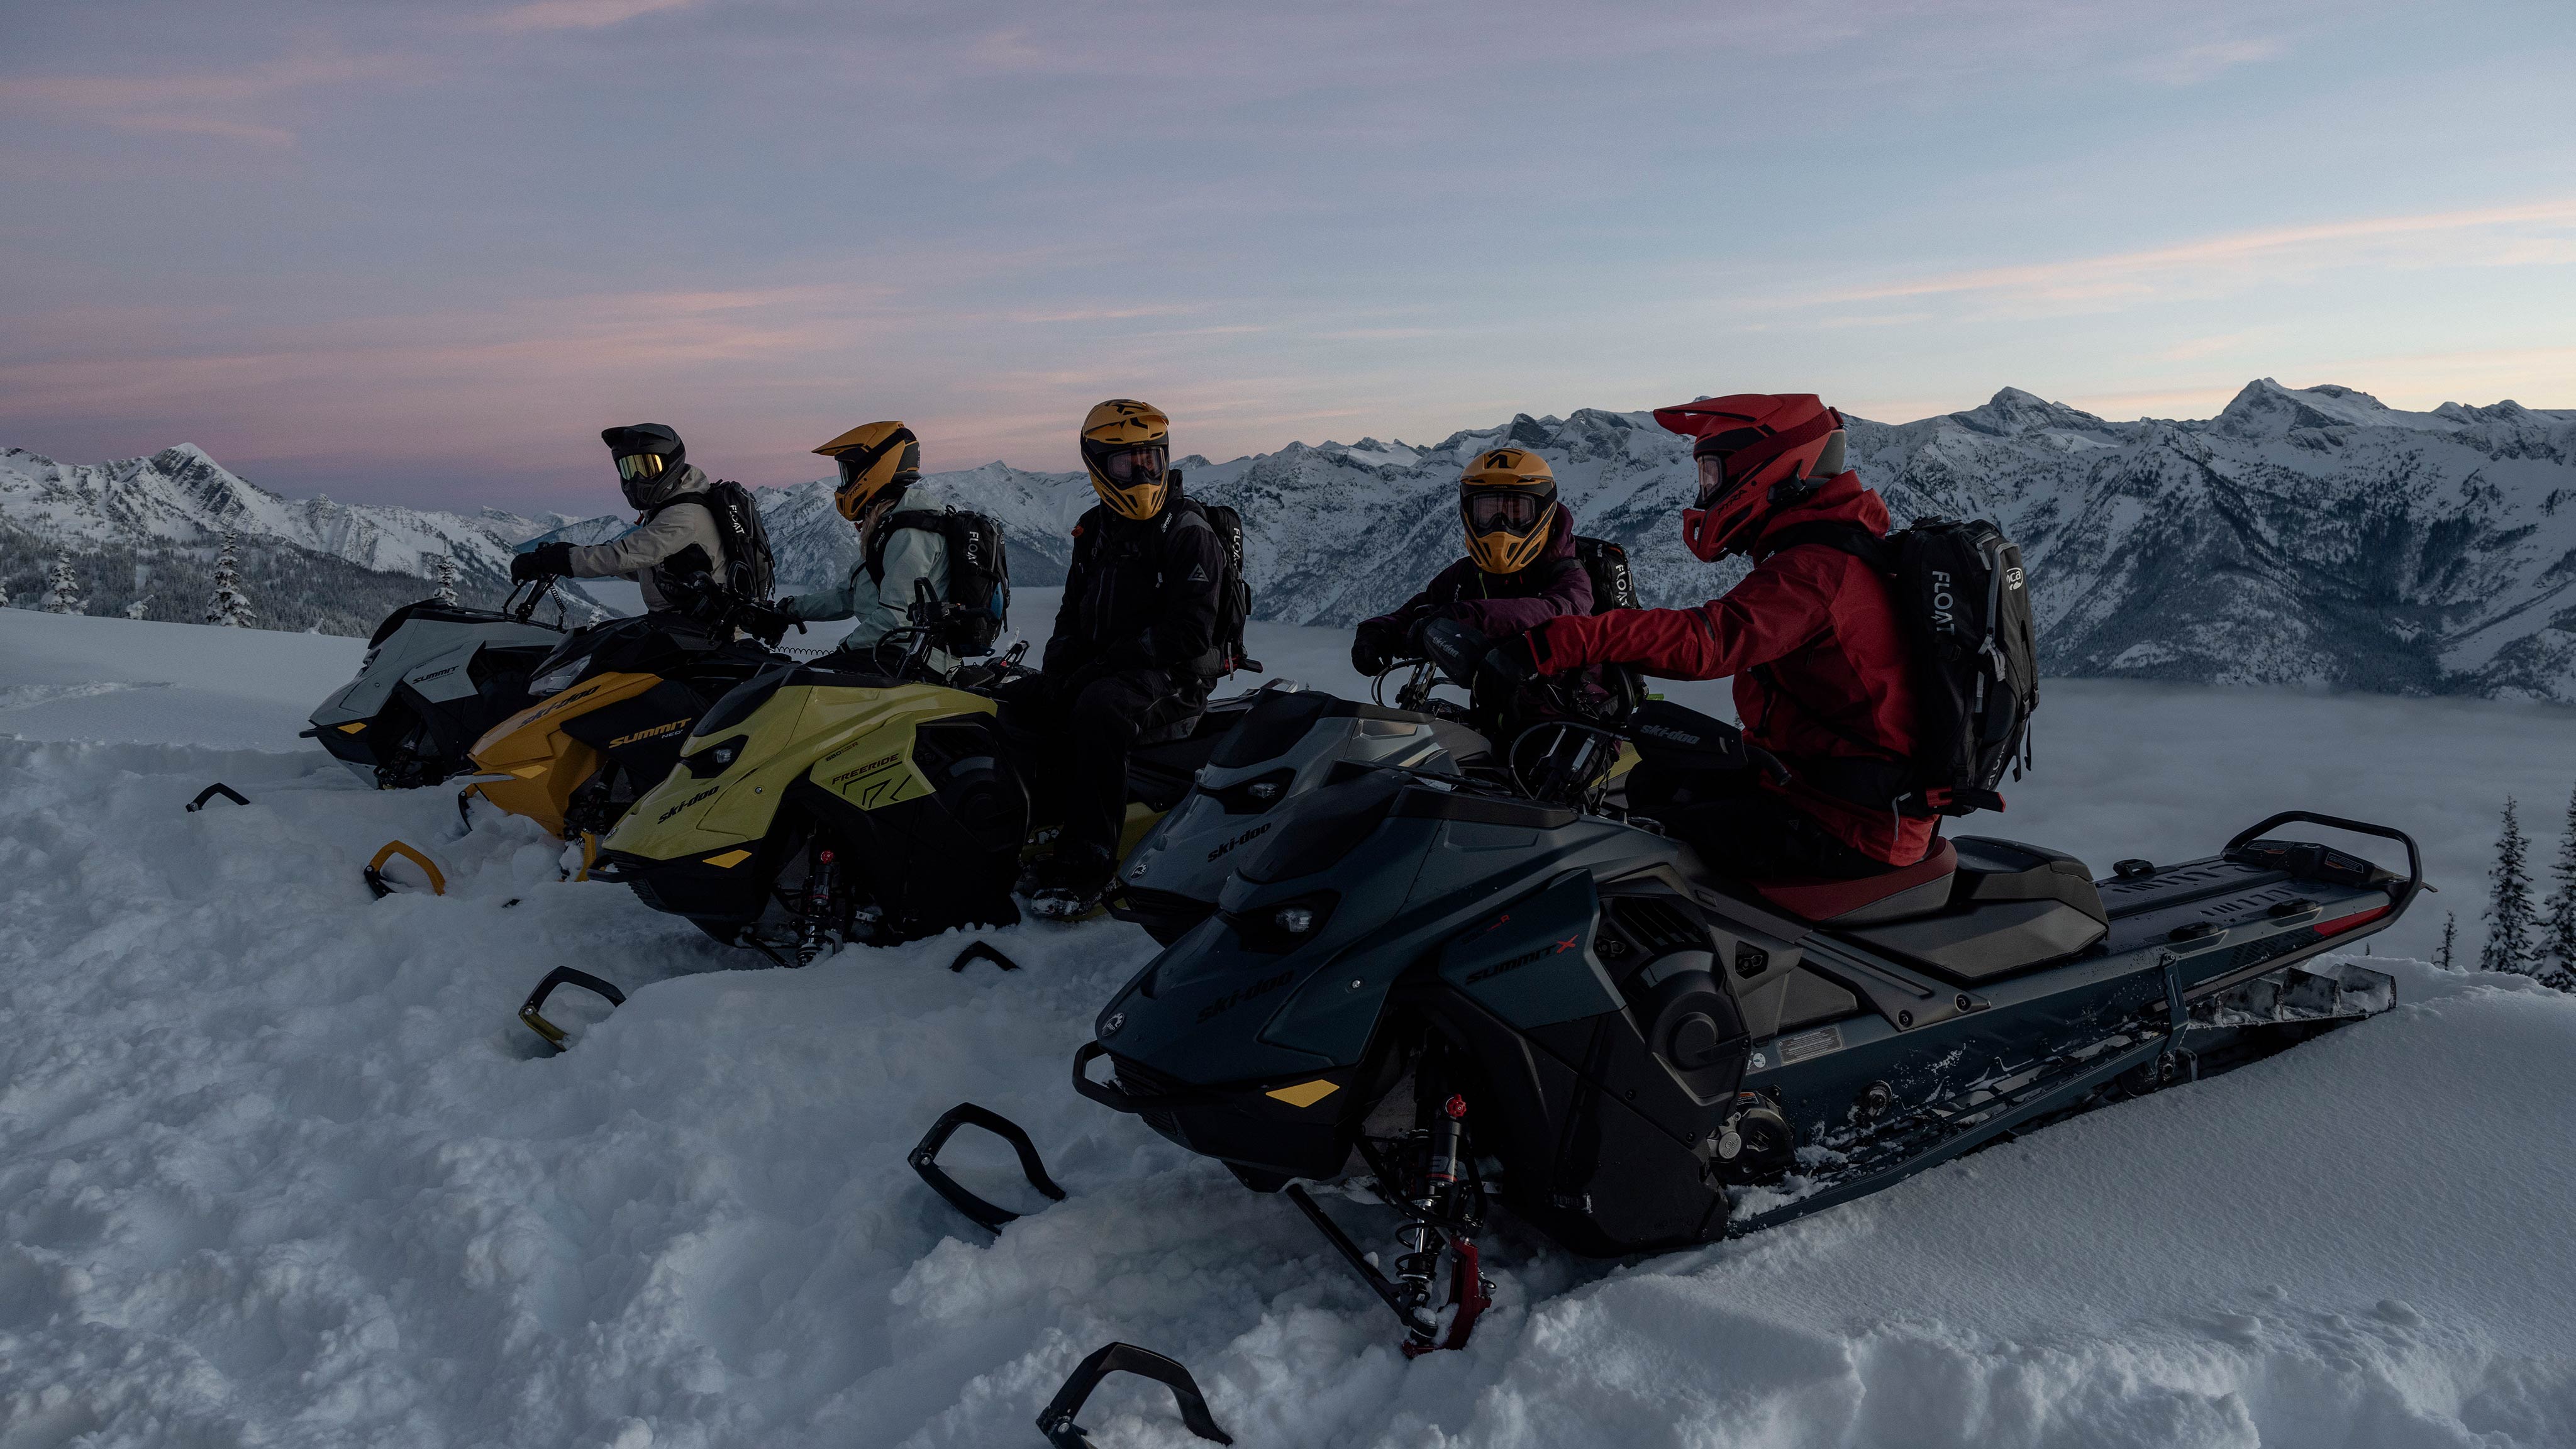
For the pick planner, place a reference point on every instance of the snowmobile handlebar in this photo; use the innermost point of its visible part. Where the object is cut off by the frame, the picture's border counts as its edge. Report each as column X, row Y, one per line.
column 2414, row 857
column 520, row 609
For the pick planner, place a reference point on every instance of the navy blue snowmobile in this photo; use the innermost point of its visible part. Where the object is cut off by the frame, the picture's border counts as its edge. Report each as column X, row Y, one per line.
column 1470, row 995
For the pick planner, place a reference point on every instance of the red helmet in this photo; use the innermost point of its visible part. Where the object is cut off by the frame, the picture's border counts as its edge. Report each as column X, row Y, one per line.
column 1757, row 452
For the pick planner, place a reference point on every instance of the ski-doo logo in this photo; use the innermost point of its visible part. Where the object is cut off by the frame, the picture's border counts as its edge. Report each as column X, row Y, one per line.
column 1942, row 600
column 1667, row 732
column 1233, row 999
column 1515, row 963
column 870, row 768
column 685, row 804
column 1244, row 838
column 659, row 729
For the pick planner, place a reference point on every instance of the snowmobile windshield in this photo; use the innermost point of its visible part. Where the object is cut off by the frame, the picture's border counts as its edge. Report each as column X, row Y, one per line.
column 1517, row 511
column 743, row 701
column 1326, row 826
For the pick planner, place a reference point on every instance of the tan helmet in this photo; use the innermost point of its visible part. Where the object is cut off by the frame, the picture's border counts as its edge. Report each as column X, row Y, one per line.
column 1507, row 498
column 873, row 458
column 1127, row 448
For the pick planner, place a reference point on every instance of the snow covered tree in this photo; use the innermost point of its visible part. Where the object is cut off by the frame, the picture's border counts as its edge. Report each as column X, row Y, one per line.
column 139, row 608
column 229, row 606
column 446, row 576
column 2450, row 938
column 2509, row 919
column 62, row 591
column 2556, row 963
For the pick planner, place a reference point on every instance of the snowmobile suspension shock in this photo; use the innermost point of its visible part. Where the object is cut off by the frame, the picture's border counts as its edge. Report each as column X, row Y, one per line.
column 814, row 926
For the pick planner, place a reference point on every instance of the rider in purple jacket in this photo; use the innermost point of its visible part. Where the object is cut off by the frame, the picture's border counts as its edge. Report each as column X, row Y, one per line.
column 1520, row 569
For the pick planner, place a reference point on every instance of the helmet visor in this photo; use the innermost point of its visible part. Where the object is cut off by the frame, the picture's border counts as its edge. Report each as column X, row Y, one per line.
column 639, row 465
column 1128, row 467
column 1515, row 512
column 1712, row 477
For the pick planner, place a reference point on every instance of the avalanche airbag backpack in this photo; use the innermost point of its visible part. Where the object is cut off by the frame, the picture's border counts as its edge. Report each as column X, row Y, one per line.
column 979, row 575
column 1614, row 586
column 1234, row 596
column 1963, row 602
column 750, row 566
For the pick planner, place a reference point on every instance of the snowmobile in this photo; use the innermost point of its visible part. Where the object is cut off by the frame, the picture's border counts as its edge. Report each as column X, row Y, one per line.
column 435, row 677
column 609, row 708
column 1477, row 997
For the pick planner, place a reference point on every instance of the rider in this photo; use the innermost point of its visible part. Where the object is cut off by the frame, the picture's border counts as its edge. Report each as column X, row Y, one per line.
column 1520, row 569
column 880, row 466
column 1134, row 650
column 1811, row 637
column 668, row 544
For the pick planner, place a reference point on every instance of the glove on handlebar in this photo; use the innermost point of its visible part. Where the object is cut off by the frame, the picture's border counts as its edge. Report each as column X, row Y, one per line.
column 546, row 560
column 1373, row 648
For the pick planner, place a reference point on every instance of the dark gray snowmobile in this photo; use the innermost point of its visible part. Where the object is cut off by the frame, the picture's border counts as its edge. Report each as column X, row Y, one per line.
column 434, row 678
column 1468, row 995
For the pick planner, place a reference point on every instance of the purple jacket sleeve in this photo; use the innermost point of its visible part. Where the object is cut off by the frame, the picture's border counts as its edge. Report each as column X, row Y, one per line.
column 1568, row 590
column 1412, row 611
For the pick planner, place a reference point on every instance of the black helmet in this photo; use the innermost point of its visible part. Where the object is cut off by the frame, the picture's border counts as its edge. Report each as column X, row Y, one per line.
column 648, row 457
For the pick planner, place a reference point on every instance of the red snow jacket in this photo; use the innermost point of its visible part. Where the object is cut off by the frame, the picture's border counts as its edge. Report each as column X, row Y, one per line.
column 1822, row 674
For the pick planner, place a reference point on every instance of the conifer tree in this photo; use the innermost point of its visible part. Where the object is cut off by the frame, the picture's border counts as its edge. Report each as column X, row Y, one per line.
column 229, row 606
column 139, row 608
column 64, row 589
column 2509, row 916
column 2557, row 953
column 2450, row 939
column 446, row 576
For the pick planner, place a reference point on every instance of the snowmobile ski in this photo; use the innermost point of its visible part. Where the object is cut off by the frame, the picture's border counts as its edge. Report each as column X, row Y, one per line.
column 213, row 790
column 532, row 1010
column 383, row 887
column 1056, row 1421
column 987, row 1215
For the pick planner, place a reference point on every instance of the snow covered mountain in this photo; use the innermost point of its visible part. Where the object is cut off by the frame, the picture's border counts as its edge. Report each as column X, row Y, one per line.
column 2301, row 536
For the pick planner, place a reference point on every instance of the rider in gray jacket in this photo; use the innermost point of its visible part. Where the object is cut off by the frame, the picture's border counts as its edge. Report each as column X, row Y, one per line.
column 675, row 539
column 880, row 466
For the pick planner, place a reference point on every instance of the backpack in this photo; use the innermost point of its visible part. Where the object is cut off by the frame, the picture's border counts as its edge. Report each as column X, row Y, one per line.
column 1613, row 586
column 1234, row 592
column 750, row 566
column 1963, row 602
column 979, row 575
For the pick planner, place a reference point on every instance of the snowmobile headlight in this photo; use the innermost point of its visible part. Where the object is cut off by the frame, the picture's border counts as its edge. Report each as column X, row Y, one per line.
column 554, row 681
column 1295, row 920
column 716, row 759
column 1263, row 790
column 1276, row 930
column 1251, row 797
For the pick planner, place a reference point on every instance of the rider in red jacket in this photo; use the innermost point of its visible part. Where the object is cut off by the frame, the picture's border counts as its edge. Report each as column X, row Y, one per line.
column 1810, row 637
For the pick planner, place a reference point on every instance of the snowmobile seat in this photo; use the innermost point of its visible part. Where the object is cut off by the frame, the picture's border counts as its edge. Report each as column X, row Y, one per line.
column 1912, row 890
column 2012, row 907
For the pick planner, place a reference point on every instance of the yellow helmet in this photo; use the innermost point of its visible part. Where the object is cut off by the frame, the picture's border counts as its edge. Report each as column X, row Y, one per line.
column 1506, row 498
column 1127, row 448
column 873, row 457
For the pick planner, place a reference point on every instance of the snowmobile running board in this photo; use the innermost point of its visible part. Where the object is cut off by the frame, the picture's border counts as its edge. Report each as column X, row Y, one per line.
column 213, row 790
column 2286, row 996
column 530, row 1010
column 925, row 1161
column 1056, row 1420
column 376, row 869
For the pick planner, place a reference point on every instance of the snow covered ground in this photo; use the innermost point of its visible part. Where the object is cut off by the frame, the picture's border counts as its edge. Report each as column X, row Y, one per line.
column 277, row 1165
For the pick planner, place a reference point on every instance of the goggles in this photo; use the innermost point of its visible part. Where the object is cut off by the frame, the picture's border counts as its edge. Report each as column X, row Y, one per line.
column 1712, row 477
column 1516, row 512
column 1130, row 466
column 640, row 465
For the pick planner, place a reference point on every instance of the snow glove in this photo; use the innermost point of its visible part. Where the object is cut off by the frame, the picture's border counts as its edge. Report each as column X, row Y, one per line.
column 1374, row 647
column 546, row 560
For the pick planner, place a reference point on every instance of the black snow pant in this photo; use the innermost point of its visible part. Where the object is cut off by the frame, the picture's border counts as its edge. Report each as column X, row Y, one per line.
column 1741, row 829
column 1074, row 736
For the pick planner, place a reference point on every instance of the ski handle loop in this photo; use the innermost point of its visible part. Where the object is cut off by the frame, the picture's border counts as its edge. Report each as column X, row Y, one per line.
column 1056, row 1421
column 529, row 1010
column 213, row 790
column 376, row 869
column 2414, row 857
column 925, row 1161
column 1116, row 1099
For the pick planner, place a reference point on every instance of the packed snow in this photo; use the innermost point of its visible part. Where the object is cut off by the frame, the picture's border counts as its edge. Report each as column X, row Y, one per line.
column 278, row 1165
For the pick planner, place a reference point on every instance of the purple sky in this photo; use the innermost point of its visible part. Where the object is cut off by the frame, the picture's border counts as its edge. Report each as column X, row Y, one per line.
column 423, row 252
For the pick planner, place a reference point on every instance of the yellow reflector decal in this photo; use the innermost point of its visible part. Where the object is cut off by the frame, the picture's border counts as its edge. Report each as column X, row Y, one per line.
column 351, row 729
column 729, row 859
column 1305, row 1094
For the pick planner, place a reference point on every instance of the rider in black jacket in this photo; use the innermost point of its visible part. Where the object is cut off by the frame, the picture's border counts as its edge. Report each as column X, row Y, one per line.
column 1134, row 651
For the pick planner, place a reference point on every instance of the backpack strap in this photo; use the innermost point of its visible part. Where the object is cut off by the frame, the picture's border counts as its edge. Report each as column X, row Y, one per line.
column 1850, row 538
column 925, row 519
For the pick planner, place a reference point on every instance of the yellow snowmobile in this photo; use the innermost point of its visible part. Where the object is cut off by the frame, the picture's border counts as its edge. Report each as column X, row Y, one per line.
column 611, row 705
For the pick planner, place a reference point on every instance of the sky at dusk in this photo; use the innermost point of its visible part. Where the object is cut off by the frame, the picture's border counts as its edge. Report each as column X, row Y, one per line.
column 423, row 252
